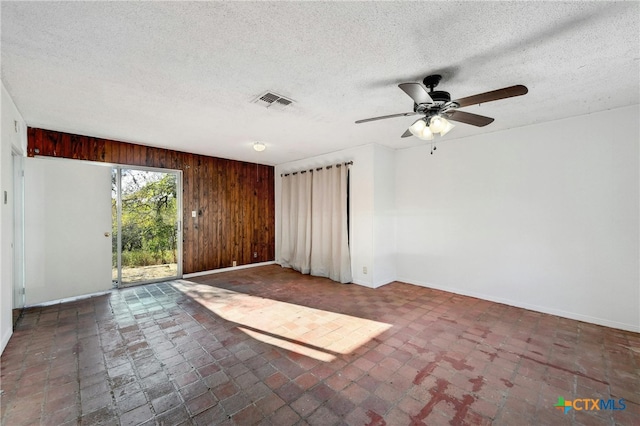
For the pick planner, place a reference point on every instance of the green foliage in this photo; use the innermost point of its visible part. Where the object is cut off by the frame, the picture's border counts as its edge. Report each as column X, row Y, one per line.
column 146, row 258
column 149, row 211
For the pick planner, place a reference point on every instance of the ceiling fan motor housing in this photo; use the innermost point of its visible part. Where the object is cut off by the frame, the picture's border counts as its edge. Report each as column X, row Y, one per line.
column 440, row 99
column 440, row 96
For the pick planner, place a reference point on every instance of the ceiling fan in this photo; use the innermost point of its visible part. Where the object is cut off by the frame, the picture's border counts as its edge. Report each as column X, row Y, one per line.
column 437, row 107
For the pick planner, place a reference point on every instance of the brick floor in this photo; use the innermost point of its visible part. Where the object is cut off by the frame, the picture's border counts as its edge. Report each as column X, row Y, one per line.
column 269, row 346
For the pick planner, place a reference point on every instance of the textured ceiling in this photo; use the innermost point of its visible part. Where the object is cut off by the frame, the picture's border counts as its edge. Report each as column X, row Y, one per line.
column 183, row 75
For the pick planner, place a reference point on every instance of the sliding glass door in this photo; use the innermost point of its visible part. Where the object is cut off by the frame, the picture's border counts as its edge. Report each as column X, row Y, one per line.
column 146, row 225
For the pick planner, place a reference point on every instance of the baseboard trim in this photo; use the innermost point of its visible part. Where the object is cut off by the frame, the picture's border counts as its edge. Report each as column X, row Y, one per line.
column 545, row 310
column 384, row 281
column 68, row 299
column 5, row 339
column 232, row 268
column 362, row 283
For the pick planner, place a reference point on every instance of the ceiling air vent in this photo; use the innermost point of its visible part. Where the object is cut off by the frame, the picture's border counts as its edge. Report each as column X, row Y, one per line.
column 272, row 101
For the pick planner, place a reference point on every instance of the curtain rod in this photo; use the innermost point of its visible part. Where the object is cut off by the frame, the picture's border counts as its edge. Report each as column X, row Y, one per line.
column 348, row 163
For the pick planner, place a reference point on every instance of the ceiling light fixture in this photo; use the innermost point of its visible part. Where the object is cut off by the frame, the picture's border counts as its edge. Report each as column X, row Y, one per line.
column 420, row 130
column 259, row 146
column 447, row 127
column 437, row 124
column 417, row 127
column 426, row 134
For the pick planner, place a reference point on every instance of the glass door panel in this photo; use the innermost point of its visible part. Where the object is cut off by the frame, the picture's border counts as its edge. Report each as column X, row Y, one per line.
column 146, row 226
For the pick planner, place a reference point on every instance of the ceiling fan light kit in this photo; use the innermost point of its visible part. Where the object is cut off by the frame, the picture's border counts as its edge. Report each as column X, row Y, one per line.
column 425, row 134
column 437, row 108
column 436, row 124
column 417, row 127
column 447, row 128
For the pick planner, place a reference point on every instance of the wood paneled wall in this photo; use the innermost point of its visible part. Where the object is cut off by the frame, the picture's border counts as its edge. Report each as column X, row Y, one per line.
column 234, row 200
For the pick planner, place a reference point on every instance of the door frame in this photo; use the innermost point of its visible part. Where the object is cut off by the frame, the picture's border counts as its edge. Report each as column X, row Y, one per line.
column 178, row 173
column 17, row 245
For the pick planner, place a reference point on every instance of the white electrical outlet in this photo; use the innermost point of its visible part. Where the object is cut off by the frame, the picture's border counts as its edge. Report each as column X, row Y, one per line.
column 364, row 269
column 235, row 263
column 194, row 213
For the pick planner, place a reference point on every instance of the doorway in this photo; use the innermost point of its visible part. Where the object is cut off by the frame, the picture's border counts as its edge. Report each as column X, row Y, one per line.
column 146, row 225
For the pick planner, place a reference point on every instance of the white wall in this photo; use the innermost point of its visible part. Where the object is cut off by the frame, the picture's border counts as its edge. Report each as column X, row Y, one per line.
column 14, row 137
column 544, row 217
column 384, row 223
column 67, row 212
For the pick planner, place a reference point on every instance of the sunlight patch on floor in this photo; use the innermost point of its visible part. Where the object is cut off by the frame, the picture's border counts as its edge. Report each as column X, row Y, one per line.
column 311, row 332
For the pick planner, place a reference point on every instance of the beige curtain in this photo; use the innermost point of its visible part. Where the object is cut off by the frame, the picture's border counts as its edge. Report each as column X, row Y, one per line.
column 314, row 236
column 295, row 251
column 330, row 246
